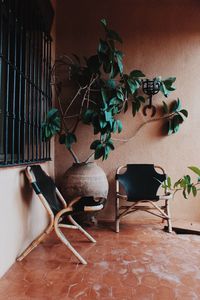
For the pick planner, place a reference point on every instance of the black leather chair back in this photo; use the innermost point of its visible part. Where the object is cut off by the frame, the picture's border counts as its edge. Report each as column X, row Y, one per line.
column 46, row 186
column 141, row 182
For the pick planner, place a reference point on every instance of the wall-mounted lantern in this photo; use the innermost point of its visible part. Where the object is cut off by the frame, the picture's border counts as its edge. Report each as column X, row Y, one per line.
column 150, row 88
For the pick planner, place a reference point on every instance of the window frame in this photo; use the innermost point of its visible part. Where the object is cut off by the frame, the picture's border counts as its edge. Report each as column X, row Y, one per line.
column 27, row 98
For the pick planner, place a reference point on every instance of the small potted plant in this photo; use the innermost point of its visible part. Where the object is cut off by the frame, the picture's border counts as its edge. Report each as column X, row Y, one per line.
column 184, row 184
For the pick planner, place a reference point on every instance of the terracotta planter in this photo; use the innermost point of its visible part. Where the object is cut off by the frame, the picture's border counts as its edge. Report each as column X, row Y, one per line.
column 85, row 179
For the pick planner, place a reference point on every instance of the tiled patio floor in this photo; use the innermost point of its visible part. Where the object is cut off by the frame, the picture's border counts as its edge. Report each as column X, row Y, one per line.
column 141, row 262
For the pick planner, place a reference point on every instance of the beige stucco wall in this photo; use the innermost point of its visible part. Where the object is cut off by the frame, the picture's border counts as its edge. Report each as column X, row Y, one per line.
column 23, row 217
column 160, row 38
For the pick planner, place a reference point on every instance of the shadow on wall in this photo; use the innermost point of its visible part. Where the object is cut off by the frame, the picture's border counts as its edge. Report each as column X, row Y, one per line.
column 26, row 190
column 26, row 204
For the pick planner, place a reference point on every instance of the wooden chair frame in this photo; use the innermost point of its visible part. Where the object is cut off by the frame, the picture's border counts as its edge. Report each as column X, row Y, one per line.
column 55, row 222
column 162, row 211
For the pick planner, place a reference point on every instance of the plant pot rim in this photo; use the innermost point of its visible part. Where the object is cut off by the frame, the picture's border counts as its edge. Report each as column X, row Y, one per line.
column 83, row 163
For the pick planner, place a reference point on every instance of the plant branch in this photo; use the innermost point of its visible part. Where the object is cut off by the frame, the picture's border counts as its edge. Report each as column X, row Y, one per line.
column 141, row 126
column 90, row 156
column 72, row 101
column 74, row 155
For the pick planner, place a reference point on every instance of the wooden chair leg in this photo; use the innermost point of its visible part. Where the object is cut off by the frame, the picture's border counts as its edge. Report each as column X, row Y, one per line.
column 67, row 243
column 63, row 238
column 32, row 246
column 117, row 220
column 169, row 222
column 81, row 229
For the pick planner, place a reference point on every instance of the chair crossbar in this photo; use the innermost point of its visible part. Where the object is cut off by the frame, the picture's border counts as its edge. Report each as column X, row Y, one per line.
column 67, row 226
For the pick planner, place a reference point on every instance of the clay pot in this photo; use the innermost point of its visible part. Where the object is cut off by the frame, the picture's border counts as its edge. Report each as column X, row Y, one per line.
column 84, row 179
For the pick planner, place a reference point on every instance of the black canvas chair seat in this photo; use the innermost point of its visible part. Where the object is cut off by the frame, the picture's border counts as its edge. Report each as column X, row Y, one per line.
column 60, row 212
column 140, row 183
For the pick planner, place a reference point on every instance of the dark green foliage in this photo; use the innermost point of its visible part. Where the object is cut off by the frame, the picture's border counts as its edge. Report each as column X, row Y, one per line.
column 167, row 86
column 67, row 139
column 52, row 124
column 103, row 81
column 176, row 115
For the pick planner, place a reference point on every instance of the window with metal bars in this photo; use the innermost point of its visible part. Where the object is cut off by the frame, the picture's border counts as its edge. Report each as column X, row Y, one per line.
column 25, row 92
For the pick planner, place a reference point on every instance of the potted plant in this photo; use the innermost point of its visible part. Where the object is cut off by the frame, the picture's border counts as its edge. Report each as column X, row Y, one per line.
column 185, row 184
column 101, row 92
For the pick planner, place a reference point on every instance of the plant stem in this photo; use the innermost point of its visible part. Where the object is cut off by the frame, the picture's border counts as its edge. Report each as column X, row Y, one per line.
column 72, row 101
column 141, row 126
column 90, row 156
column 74, row 156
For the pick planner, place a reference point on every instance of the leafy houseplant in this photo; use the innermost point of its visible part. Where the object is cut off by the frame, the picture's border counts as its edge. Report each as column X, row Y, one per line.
column 102, row 91
column 184, row 184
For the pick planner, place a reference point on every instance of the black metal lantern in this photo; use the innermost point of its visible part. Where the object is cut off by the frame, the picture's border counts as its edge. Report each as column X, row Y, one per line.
column 150, row 88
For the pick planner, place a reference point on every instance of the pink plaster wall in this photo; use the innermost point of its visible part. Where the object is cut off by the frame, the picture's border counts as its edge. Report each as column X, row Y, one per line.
column 160, row 38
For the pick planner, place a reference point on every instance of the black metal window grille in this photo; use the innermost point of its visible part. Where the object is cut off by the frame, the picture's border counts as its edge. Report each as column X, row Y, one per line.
column 25, row 92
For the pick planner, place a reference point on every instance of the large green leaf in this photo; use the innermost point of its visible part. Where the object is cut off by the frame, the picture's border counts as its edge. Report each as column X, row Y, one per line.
column 108, row 116
column 176, row 106
column 120, row 94
column 169, row 81
column 166, row 86
column 136, row 73
column 99, row 151
column 111, row 83
column 87, row 116
column 169, row 184
column 163, row 89
column 52, row 124
column 165, row 108
column 170, row 127
column 104, row 96
column 119, row 61
column 119, row 126
column 95, row 144
column 184, row 112
column 103, row 47
column 113, row 101
column 125, row 106
column 62, row 139
column 134, row 108
column 114, row 69
column 196, row 170
column 102, row 123
column 180, row 118
column 52, row 113
column 132, row 85
column 194, row 191
column 110, row 144
column 70, row 139
column 141, row 99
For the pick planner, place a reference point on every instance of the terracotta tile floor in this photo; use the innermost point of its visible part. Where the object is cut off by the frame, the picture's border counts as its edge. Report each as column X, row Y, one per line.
column 141, row 262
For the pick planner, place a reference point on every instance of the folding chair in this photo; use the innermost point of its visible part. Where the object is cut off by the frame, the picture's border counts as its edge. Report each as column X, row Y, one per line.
column 58, row 210
column 140, row 183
